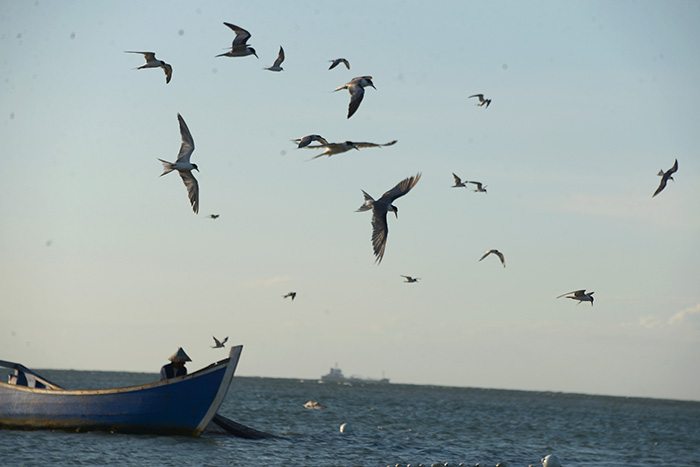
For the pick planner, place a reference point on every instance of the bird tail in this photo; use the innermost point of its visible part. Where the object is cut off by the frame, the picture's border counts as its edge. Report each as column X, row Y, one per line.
column 661, row 173
column 167, row 167
column 367, row 205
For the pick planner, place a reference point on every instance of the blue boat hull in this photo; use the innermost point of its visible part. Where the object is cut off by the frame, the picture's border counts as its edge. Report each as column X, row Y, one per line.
column 183, row 405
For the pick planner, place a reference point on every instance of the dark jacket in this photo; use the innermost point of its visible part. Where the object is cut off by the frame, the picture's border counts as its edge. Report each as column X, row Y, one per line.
column 169, row 371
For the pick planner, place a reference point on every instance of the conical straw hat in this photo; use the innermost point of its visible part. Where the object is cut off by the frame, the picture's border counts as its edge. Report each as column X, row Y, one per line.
column 180, row 356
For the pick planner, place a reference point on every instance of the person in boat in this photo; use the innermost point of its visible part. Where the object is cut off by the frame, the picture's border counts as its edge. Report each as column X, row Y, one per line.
column 176, row 367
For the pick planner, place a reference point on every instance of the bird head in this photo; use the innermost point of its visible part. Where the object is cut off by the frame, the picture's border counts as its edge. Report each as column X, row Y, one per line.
column 395, row 210
column 352, row 145
column 370, row 83
column 194, row 166
column 253, row 50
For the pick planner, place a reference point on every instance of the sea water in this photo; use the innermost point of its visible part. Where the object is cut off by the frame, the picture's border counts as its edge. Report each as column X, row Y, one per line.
column 390, row 424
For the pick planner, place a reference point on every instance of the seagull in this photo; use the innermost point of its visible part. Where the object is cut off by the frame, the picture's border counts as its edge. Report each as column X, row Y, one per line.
column 183, row 165
column 153, row 62
column 291, row 295
column 308, row 139
column 217, row 344
column 356, row 87
column 665, row 177
column 339, row 148
column 213, row 216
column 280, row 58
column 239, row 46
column 479, row 187
column 459, row 182
column 497, row 253
column 550, row 460
column 338, row 61
column 482, row 101
column 579, row 295
column 410, row 279
column 380, row 208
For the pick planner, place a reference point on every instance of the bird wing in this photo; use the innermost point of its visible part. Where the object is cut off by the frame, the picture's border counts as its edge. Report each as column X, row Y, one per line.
column 187, row 146
column 280, row 58
column 488, row 102
column 375, row 145
column 480, row 96
column 242, row 35
column 347, row 64
column 478, row 184
column 457, row 179
column 192, row 188
column 662, row 185
column 576, row 293
column 168, row 72
column 673, row 169
column 400, row 189
column 225, row 340
column 486, row 254
column 500, row 255
column 334, row 63
column 357, row 92
column 380, row 231
column 149, row 56
column 216, row 341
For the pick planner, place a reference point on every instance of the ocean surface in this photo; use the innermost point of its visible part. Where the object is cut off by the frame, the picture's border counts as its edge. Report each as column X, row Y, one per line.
column 391, row 424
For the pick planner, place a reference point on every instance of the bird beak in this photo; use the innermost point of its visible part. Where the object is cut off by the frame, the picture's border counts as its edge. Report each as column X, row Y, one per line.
column 197, row 169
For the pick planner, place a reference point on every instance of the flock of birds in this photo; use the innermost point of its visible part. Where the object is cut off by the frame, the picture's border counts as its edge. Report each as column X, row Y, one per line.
column 379, row 207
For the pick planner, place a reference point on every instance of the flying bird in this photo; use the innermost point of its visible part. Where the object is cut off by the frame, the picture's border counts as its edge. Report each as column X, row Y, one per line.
column 291, row 295
column 308, row 139
column 338, row 61
column 579, row 295
column 153, row 62
column 479, row 187
column 339, row 148
column 410, row 279
column 213, row 216
column 482, row 101
column 665, row 177
column 497, row 253
column 217, row 344
column 280, row 58
column 239, row 46
column 459, row 182
column 356, row 87
column 380, row 208
column 184, row 166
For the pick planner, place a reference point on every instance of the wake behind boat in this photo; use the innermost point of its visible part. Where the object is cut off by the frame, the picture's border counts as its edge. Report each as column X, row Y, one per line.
column 184, row 405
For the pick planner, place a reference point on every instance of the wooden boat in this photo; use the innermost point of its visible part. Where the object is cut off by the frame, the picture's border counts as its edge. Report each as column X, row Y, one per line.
column 184, row 405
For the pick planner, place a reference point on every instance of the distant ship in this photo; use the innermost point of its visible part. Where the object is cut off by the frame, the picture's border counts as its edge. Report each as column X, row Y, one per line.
column 336, row 376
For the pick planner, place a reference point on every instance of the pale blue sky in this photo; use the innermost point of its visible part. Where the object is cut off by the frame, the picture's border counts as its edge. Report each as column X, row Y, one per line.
column 104, row 265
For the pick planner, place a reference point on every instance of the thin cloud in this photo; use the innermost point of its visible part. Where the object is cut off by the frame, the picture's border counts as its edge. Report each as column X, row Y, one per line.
column 267, row 282
column 691, row 315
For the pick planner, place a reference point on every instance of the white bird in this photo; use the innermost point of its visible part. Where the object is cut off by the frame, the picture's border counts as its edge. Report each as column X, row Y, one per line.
column 217, row 344
column 291, row 295
column 410, row 279
column 356, row 87
column 184, row 166
column 579, row 295
column 338, row 61
column 280, row 58
column 308, row 139
column 459, row 182
column 665, row 177
column 239, row 46
column 482, row 101
column 153, row 62
column 380, row 208
column 497, row 253
column 479, row 187
column 344, row 146
column 550, row 460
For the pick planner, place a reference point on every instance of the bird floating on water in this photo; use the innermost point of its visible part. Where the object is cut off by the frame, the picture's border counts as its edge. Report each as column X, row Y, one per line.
column 380, row 208
column 579, row 295
column 482, row 101
column 280, row 58
column 550, row 460
column 184, row 166
column 356, row 87
column 308, row 139
column 497, row 253
column 217, row 344
column 410, row 279
column 458, row 182
column 337, row 62
column 480, row 188
column 153, row 62
column 239, row 46
column 291, row 295
column 344, row 146
column 665, row 177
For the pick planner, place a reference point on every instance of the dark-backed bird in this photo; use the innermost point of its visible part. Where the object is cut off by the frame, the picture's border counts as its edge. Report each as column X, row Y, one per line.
column 459, row 182
column 480, row 188
column 410, row 279
column 665, row 177
column 338, row 61
column 380, row 208
column 579, row 295
column 356, row 87
column 497, row 253
column 217, row 344
column 482, row 101
column 308, row 139
column 239, row 46
column 213, row 216
column 280, row 58
column 344, row 146
column 291, row 295
column 184, row 166
column 153, row 62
